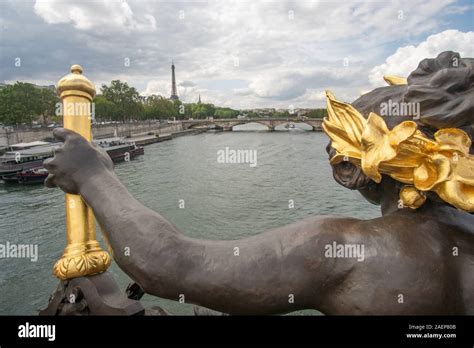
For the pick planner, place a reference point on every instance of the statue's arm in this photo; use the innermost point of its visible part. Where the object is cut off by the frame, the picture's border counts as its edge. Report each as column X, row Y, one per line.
column 272, row 272
column 279, row 270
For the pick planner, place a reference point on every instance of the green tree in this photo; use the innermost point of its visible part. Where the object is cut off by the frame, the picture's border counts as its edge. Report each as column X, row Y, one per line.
column 202, row 110
column 282, row 114
column 158, row 107
column 253, row 114
column 105, row 110
column 48, row 101
column 126, row 99
column 179, row 109
column 25, row 102
column 225, row 113
column 317, row 113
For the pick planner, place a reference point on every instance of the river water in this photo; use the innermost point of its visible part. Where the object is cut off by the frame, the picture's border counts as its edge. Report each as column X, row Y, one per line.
column 221, row 201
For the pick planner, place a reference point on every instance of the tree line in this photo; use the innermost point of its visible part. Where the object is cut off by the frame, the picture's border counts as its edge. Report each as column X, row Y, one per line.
column 25, row 103
column 121, row 102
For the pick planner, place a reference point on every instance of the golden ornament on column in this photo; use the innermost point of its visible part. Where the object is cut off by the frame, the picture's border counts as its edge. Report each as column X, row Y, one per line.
column 83, row 255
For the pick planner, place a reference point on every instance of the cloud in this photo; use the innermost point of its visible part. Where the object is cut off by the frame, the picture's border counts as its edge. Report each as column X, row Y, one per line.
column 285, row 85
column 315, row 95
column 97, row 14
column 242, row 91
column 188, row 91
column 158, row 87
column 406, row 59
column 280, row 86
column 187, row 84
column 280, row 52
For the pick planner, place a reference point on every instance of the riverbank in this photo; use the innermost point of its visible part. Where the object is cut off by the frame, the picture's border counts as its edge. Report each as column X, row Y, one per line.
column 8, row 137
column 151, row 138
column 138, row 133
column 143, row 139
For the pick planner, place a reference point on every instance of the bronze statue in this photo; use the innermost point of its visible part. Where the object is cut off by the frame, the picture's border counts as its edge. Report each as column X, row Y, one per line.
column 417, row 258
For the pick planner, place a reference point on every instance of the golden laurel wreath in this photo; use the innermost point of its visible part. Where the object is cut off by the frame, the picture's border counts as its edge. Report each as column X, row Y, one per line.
column 442, row 165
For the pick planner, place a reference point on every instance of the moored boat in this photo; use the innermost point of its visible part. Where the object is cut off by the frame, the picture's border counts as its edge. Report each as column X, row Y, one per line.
column 119, row 150
column 32, row 176
column 23, row 164
column 13, row 163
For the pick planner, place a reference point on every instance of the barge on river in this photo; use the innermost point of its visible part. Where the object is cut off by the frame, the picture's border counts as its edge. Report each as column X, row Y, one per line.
column 23, row 163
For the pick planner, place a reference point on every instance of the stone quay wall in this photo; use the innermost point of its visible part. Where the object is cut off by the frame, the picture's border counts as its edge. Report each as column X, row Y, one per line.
column 8, row 137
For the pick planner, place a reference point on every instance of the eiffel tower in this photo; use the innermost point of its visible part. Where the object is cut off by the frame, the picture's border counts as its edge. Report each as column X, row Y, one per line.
column 174, row 94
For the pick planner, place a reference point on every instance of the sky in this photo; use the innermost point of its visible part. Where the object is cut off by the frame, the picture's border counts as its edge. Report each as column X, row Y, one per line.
column 240, row 54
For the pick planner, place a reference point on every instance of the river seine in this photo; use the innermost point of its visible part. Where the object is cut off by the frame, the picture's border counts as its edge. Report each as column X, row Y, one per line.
column 184, row 181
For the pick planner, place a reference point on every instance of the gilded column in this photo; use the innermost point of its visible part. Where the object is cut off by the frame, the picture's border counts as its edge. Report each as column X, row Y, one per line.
column 83, row 255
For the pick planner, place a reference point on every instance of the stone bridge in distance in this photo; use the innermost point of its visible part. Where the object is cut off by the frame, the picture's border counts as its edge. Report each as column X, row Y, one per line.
column 226, row 124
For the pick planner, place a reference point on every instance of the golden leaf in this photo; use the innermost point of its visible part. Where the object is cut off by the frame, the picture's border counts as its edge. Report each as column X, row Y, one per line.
column 395, row 80
column 442, row 165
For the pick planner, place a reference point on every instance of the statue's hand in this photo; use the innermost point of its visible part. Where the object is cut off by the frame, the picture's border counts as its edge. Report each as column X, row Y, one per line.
column 75, row 162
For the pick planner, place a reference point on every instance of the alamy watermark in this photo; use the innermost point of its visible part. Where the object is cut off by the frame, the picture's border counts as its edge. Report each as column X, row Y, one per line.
column 336, row 250
column 228, row 155
column 392, row 108
column 19, row 251
column 76, row 109
column 28, row 330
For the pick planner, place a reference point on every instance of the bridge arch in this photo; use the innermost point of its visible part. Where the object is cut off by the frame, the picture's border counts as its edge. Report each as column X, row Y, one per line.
column 202, row 123
column 271, row 124
column 262, row 123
